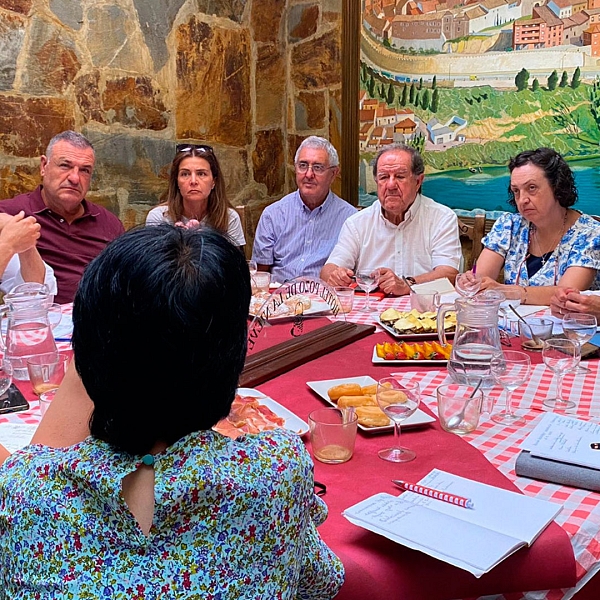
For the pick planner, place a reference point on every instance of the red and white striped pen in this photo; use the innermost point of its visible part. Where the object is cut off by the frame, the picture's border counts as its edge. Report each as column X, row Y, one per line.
column 437, row 494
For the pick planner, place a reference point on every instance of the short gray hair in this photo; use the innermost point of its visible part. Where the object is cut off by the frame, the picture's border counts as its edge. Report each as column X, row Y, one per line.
column 314, row 141
column 71, row 137
column 417, row 166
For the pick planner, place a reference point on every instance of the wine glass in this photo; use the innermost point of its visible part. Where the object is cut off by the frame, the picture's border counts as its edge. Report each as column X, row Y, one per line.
column 252, row 267
column 560, row 355
column 510, row 369
column 367, row 281
column 467, row 284
column 580, row 327
column 5, row 376
column 398, row 401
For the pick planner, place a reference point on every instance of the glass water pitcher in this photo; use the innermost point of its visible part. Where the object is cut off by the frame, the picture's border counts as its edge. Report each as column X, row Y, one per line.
column 477, row 337
column 28, row 329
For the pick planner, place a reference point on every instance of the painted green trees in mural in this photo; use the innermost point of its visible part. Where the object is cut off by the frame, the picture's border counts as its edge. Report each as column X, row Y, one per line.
column 522, row 79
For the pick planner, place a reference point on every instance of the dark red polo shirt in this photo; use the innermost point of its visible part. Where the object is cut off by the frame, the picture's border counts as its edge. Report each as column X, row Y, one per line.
column 67, row 248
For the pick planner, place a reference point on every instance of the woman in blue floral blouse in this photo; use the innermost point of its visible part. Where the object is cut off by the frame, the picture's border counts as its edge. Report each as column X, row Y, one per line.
column 154, row 504
column 546, row 244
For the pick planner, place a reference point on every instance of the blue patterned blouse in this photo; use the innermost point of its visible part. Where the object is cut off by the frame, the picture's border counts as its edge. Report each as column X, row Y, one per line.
column 579, row 247
column 234, row 519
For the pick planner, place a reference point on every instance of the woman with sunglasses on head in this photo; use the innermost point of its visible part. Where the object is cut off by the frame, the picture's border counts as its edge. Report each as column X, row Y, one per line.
column 546, row 245
column 196, row 194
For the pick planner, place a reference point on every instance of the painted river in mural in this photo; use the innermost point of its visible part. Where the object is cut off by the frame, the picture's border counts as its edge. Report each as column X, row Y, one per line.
column 488, row 190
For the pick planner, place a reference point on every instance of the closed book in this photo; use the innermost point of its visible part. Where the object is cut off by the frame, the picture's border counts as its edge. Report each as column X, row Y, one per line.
column 554, row 471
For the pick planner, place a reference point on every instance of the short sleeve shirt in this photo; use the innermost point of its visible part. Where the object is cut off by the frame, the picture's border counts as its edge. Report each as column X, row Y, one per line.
column 67, row 247
column 234, row 227
column 579, row 247
column 233, row 519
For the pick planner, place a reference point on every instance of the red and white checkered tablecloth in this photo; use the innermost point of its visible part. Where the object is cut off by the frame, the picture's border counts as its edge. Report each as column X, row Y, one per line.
column 580, row 514
column 358, row 315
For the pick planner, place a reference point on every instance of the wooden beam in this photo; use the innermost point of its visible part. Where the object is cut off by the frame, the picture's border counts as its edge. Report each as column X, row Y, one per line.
column 351, row 17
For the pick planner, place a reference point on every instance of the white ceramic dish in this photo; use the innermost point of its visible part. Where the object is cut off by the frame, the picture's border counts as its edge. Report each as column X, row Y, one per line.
column 418, row 419
column 292, row 422
column 407, row 361
column 430, row 335
column 317, row 307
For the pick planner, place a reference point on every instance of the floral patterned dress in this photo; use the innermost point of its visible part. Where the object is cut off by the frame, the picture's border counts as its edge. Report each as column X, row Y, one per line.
column 579, row 247
column 234, row 519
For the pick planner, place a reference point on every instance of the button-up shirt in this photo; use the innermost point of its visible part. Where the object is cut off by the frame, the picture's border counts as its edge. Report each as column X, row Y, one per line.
column 427, row 238
column 294, row 240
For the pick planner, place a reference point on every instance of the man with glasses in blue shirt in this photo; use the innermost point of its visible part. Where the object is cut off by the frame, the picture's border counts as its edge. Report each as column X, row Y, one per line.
column 296, row 234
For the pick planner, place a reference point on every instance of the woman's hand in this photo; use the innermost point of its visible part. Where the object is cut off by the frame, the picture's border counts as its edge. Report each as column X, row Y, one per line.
column 567, row 300
column 487, row 283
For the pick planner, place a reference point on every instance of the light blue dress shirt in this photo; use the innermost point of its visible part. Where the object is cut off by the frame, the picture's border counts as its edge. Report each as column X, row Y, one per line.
column 296, row 241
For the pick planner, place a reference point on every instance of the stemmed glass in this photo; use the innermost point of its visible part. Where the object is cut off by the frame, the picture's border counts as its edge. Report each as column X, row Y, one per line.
column 398, row 401
column 579, row 327
column 367, row 281
column 467, row 284
column 252, row 267
column 6, row 373
column 510, row 369
column 560, row 355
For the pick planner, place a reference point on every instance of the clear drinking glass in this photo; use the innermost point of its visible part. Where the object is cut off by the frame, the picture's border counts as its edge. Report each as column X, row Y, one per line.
column 581, row 328
column 467, row 284
column 252, row 267
column 560, row 355
column 367, row 281
column 510, row 369
column 6, row 373
column 398, row 401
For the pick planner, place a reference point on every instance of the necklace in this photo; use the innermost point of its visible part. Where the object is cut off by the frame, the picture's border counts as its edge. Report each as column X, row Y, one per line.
column 544, row 256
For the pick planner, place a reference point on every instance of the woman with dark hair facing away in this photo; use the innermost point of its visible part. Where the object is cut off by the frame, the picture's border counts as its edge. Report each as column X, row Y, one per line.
column 154, row 503
column 196, row 194
column 546, row 245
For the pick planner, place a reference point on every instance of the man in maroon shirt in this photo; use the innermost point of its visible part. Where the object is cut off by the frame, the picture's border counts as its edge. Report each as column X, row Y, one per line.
column 73, row 230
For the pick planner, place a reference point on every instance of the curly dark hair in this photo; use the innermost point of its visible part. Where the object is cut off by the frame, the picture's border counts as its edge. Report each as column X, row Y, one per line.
column 556, row 170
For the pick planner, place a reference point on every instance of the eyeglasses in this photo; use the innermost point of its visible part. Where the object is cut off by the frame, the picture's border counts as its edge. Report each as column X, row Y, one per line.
column 189, row 147
column 317, row 168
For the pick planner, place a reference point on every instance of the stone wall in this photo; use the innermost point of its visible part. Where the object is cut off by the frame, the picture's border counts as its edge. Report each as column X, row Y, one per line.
column 250, row 77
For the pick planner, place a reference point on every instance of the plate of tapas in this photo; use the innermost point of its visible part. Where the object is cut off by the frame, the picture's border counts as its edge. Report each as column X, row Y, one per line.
column 415, row 325
column 252, row 412
column 360, row 393
column 423, row 353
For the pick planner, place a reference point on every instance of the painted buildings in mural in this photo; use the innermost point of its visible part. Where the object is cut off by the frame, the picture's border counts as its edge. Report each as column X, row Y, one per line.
column 479, row 53
column 429, row 24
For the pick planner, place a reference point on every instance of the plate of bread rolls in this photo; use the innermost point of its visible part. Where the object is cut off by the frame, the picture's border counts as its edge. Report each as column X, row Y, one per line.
column 360, row 393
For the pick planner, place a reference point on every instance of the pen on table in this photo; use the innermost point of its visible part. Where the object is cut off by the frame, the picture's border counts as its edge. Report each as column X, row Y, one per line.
column 62, row 339
column 595, row 445
column 437, row 494
column 474, row 269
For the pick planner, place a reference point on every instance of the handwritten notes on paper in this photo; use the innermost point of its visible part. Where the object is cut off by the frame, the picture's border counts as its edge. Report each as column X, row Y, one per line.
column 565, row 439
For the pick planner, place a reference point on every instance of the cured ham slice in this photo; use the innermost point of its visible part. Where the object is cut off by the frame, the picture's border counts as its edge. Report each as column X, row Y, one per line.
column 248, row 415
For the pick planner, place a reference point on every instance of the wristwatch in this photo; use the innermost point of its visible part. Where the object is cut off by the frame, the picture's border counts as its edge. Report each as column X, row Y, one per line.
column 411, row 280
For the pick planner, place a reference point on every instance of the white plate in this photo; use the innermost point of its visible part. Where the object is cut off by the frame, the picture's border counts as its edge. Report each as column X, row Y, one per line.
column 430, row 335
column 377, row 360
column 292, row 422
column 418, row 419
column 317, row 307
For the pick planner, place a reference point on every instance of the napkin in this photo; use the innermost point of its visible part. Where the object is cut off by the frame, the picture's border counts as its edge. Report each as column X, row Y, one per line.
column 441, row 286
column 554, row 471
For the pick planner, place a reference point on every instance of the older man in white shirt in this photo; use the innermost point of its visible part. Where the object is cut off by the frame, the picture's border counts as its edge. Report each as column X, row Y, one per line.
column 403, row 233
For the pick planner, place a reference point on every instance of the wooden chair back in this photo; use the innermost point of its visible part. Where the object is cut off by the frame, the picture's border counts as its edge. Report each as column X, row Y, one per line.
column 471, row 231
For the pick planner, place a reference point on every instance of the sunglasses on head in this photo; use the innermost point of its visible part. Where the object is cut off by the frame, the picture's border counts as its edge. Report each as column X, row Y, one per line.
column 189, row 147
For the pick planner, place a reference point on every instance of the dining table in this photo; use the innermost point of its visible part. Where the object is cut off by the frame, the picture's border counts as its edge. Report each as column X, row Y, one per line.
column 560, row 564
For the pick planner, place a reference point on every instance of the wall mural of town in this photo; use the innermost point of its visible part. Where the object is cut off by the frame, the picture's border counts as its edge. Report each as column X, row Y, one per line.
column 472, row 83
